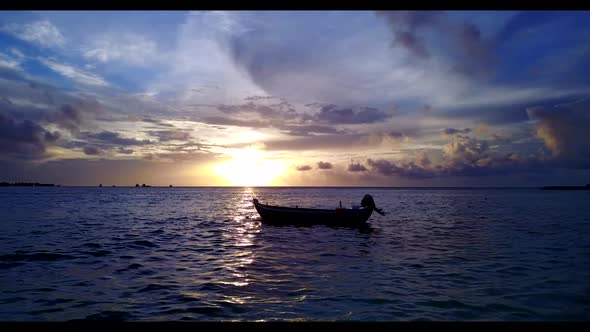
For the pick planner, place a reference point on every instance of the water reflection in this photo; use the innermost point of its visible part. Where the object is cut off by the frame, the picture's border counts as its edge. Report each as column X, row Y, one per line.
column 361, row 228
column 240, row 236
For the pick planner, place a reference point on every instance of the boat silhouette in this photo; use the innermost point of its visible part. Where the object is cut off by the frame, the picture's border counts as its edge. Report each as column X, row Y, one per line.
column 295, row 215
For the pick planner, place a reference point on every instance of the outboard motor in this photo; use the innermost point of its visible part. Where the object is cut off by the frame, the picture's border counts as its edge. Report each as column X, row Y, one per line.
column 368, row 202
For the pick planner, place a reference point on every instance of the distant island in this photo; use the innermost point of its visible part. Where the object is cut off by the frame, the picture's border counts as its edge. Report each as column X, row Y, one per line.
column 27, row 184
column 586, row 187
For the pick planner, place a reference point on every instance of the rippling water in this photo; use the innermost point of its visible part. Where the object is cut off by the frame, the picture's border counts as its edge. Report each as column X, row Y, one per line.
column 202, row 254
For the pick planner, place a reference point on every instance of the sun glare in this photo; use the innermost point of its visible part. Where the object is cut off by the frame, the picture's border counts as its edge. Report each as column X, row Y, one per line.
column 249, row 168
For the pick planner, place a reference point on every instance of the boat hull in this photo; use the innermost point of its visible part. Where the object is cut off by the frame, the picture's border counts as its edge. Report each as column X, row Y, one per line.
column 284, row 215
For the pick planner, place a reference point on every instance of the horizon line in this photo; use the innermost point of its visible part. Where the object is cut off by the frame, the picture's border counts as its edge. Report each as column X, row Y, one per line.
column 221, row 186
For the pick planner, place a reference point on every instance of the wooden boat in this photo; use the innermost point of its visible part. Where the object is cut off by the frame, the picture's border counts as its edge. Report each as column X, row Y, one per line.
column 295, row 215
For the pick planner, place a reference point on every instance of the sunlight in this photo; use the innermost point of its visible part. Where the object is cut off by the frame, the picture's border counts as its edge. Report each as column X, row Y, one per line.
column 249, row 168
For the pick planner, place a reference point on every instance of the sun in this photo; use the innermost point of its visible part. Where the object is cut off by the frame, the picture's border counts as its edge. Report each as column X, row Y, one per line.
column 249, row 168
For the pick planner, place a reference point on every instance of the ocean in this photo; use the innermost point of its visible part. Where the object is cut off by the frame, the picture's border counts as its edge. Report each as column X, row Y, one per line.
column 175, row 254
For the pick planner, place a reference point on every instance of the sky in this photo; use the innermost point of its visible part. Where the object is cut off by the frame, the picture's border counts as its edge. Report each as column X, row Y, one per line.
column 295, row 98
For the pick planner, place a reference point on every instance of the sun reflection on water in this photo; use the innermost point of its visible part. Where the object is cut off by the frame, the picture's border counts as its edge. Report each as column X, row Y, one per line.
column 241, row 235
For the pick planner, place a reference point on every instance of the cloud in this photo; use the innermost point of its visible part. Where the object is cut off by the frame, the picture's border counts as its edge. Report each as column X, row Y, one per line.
column 406, row 25
column 67, row 117
column 463, row 44
column 126, row 47
column 357, row 168
column 465, row 149
column 92, row 150
column 396, row 135
column 9, row 62
column 170, row 135
column 157, row 122
column 122, row 150
column 23, row 140
column 466, row 156
column 453, row 131
column 308, row 130
column 304, row 168
column 42, row 33
column 463, row 156
column 75, row 74
column 111, row 138
column 408, row 169
column 341, row 141
column 564, row 130
column 324, row 165
column 226, row 121
column 334, row 115
column 284, row 117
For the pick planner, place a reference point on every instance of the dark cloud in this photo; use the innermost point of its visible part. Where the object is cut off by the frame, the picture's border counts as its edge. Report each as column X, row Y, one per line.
column 111, row 138
column 227, row 121
column 453, row 131
column 92, row 150
column 191, row 146
column 171, row 135
column 67, row 117
column 396, row 135
column 122, row 150
column 265, row 53
column 464, row 45
column 357, row 168
column 309, row 130
column 465, row 156
column 157, row 122
column 564, row 130
column 292, row 128
column 408, row 169
column 504, row 113
column 284, row 117
column 476, row 55
column 465, row 149
column 304, row 168
column 334, row 115
column 25, row 139
column 324, row 165
column 406, row 26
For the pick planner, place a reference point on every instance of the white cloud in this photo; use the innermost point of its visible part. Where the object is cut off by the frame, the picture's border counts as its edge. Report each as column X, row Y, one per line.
column 43, row 33
column 75, row 74
column 129, row 48
column 10, row 62
column 199, row 59
column 17, row 53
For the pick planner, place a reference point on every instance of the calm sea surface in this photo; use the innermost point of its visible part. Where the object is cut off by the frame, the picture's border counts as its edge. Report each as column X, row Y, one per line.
column 150, row 254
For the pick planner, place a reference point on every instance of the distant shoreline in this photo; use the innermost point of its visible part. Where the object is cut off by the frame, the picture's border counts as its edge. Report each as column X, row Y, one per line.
column 27, row 184
column 37, row 184
column 293, row 187
column 586, row 187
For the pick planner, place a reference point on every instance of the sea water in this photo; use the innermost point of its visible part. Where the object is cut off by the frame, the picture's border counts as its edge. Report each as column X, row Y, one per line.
column 152, row 254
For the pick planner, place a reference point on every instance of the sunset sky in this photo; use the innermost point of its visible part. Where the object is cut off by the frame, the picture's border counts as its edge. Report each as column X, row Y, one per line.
column 340, row 98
